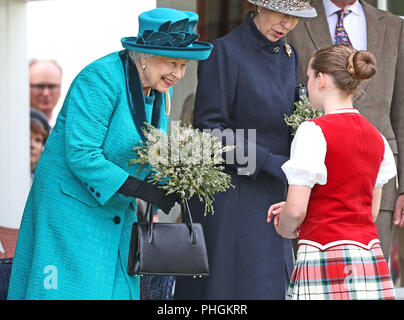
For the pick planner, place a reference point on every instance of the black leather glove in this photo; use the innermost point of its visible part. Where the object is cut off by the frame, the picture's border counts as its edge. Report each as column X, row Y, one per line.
column 273, row 166
column 167, row 202
column 149, row 192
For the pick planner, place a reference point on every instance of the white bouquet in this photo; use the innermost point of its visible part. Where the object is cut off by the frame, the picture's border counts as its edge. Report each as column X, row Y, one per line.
column 303, row 112
column 186, row 161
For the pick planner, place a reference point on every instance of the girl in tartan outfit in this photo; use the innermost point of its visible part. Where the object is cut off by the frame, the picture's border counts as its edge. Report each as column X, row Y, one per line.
column 338, row 165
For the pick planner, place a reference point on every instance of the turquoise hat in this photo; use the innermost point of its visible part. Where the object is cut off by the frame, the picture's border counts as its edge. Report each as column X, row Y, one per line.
column 170, row 33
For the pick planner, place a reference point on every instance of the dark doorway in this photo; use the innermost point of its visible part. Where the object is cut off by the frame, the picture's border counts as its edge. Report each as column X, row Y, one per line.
column 219, row 17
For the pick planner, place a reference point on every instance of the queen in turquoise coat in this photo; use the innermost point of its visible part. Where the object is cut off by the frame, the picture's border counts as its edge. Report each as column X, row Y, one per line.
column 74, row 236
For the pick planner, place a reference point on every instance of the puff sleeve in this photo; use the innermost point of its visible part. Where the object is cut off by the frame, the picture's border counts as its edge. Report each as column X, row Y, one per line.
column 387, row 167
column 306, row 166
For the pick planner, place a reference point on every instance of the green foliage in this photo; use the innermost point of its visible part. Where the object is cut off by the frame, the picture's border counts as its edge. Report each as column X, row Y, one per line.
column 186, row 161
column 303, row 112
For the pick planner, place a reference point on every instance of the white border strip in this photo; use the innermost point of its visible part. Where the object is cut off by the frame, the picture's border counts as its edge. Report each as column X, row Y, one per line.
column 337, row 243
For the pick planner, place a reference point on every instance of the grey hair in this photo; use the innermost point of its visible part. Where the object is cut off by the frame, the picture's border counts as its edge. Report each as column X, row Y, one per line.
column 54, row 62
column 136, row 56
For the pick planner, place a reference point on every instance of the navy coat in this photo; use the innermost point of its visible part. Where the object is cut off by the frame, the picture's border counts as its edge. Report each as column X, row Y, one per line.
column 247, row 83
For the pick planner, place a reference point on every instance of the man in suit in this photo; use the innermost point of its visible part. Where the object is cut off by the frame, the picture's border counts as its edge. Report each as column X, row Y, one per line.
column 380, row 100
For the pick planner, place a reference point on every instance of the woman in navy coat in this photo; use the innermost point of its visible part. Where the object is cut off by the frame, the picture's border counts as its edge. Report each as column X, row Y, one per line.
column 248, row 83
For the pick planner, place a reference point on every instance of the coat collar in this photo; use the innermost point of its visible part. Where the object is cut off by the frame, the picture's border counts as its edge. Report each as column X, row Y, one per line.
column 135, row 96
column 375, row 29
column 375, row 35
column 318, row 27
column 255, row 37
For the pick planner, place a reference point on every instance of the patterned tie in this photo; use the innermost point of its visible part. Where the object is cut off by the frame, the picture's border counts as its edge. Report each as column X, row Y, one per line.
column 341, row 36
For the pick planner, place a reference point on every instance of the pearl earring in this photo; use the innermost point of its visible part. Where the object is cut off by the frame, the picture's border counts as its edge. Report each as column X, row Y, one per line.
column 144, row 66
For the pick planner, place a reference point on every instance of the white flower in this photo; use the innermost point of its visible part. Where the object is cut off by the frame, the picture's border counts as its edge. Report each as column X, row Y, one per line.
column 186, row 160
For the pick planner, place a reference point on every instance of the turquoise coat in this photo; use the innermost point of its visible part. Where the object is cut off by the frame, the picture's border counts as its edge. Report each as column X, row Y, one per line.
column 74, row 236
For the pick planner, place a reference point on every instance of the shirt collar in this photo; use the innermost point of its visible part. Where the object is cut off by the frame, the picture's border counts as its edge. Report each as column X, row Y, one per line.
column 331, row 8
column 347, row 110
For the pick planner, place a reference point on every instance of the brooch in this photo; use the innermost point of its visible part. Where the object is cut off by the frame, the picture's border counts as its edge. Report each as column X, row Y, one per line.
column 288, row 49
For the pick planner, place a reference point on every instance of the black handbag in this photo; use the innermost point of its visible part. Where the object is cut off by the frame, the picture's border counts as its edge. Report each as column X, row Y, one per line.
column 168, row 248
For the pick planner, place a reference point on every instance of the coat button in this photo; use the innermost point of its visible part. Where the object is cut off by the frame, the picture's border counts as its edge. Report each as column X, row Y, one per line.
column 117, row 220
column 91, row 189
column 276, row 50
column 97, row 194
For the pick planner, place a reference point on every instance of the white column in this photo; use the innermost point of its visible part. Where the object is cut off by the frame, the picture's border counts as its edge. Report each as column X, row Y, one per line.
column 382, row 4
column 14, row 113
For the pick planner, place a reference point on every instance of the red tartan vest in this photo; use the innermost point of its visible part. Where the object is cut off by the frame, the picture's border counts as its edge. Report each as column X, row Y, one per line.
column 341, row 210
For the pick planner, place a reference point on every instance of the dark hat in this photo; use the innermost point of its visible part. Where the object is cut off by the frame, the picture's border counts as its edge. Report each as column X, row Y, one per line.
column 37, row 116
column 170, row 33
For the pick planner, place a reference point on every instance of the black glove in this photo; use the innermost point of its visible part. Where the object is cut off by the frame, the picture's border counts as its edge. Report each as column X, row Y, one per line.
column 273, row 166
column 149, row 192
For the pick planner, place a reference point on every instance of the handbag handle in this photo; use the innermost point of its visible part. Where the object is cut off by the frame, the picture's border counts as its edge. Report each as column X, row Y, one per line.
column 184, row 208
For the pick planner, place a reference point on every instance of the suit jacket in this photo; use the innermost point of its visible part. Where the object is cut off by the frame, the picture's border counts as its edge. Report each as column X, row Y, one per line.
column 76, row 228
column 380, row 99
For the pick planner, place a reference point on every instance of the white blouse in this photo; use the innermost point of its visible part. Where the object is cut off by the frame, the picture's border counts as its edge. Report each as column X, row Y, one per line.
column 307, row 158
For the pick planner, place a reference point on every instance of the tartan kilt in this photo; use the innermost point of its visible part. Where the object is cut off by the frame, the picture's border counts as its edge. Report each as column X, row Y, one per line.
column 343, row 272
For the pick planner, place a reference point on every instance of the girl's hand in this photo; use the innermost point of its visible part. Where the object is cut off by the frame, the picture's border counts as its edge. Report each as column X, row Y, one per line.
column 274, row 211
column 287, row 235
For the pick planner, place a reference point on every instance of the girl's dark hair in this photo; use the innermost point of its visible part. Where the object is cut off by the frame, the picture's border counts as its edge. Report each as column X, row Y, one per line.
column 347, row 66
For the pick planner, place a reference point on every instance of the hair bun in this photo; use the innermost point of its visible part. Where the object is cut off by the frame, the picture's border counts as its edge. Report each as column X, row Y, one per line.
column 363, row 65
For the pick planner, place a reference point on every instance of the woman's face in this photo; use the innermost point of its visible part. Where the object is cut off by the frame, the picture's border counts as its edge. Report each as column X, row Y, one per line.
column 36, row 147
column 274, row 25
column 161, row 73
